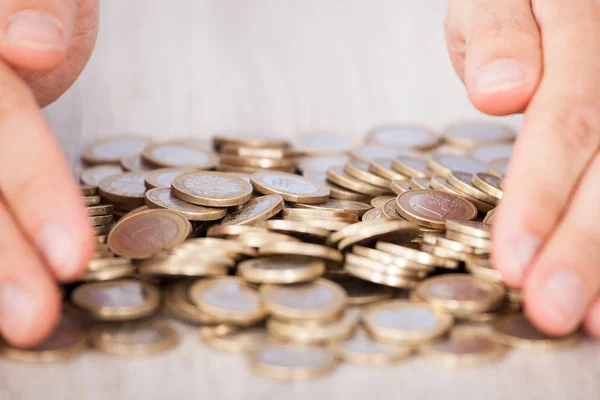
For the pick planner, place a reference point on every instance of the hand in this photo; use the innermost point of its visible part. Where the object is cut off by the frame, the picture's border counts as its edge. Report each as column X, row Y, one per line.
column 46, row 234
column 542, row 57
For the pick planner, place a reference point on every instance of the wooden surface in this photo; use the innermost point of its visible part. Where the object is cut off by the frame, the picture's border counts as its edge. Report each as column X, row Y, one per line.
column 283, row 67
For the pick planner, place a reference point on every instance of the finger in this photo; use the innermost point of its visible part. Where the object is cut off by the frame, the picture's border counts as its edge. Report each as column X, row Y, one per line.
column 560, row 135
column 37, row 184
column 29, row 299
column 565, row 279
column 36, row 33
column 502, row 53
column 592, row 321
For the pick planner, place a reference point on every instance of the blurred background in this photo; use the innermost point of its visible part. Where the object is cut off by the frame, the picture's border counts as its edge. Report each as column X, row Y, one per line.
column 194, row 67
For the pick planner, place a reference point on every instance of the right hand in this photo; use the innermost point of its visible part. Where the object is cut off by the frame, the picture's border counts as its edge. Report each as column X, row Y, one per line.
column 46, row 234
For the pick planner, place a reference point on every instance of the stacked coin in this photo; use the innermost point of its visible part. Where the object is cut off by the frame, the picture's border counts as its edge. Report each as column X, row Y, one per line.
column 242, row 154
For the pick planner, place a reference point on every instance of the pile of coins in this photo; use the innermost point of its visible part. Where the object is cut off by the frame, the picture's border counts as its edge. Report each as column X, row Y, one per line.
column 299, row 255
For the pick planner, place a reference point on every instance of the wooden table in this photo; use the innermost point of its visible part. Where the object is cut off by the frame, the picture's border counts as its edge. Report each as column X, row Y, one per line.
column 282, row 67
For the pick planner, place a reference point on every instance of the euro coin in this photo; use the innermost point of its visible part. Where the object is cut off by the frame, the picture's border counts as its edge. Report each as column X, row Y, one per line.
column 292, row 362
column 280, row 270
column 258, row 209
column 431, row 208
column 212, row 189
column 112, row 150
column 177, row 154
column 444, row 164
column 361, row 349
column 127, row 188
column 134, row 338
column 477, row 133
column 163, row 198
column 405, row 136
column 292, row 188
column 163, row 177
column 93, row 175
column 516, row 331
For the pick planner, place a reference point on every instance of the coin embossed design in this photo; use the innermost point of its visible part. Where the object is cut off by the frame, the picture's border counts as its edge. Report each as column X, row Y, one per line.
column 148, row 232
column 216, row 189
column 431, row 208
column 256, row 210
column 292, row 188
column 163, row 198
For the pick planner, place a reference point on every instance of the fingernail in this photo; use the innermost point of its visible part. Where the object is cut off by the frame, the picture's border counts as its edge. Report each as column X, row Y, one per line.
column 59, row 250
column 500, row 75
column 563, row 295
column 19, row 310
column 521, row 254
column 35, row 28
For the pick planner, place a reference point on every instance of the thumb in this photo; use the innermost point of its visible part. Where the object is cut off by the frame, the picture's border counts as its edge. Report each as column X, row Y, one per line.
column 35, row 34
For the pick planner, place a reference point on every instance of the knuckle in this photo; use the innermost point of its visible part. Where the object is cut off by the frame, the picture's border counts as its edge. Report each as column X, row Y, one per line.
column 578, row 124
column 512, row 26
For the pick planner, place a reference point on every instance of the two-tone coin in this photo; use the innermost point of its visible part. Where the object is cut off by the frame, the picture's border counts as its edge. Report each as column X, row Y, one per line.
column 257, row 210
column 292, row 188
column 112, row 150
column 212, row 189
column 178, row 154
column 431, row 208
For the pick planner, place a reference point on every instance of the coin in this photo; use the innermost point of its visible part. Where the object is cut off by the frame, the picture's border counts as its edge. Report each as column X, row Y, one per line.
column 473, row 241
column 350, row 230
column 311, row 332
column 120, row 300
column 376, row 266
column 464, row 346
column 306, row 249
column 100, row 230
column 232, row 246
column 318, row 213
column 360, row 171
column 442, row 185
column 403, row 322
column 460, row 294
column 444, row 253
column 267, row 163
column 498, row 167
column 360, row 349
column 101, row 220
column 481, row 268
column 383, row 167
column 292, row 188
column 64, row 343
column 414, row 255
column 369, row 152
column 393, row 263
column 431, row 208
column 489, row 218
column 443, row 164
column 175, row 154
column 373, row 214
column 462, row 182
column 93, row 175
column 399, row 187
column 224, row 231
column 393, row 231
column 412, row 167
column 382, row 278
column 148, row 232
column 317, row 300
column 216, row 189
column 238, row 340
column 292, row 362
column 255, row 152
column 476, row 133
column 229, row 299
column 338, row 192
column 298, row 229
column 339, row 177
column 163, row 177
column 419, row 183
column 473, row 228
column 259, row 240
column 134, row 338
column 280, row 270
column 101, row 239
column 321, row 163
column 330, row 225
column 135, row 163
column 126, row 188
column 361, row 292
column 112, row 150
column 232, row 168
column 91, row 200
column 351, row 206
column 324, row 143
column 245, row 139
column 186, row 264
column 380, row 201
column 108, row 274
column 407, row 136
column 389, row 210
column 256, row 210
column 516, row 331
column 489, row 184
column 163, row 198
column 103, row 209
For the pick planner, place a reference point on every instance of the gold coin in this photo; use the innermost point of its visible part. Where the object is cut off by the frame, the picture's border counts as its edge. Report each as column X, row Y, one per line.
column 382, row 278
column 389, row 210
column 360, row 349
column 163, row 198
column 177, row 154
column 481, row 268
column 100, row 230
column 126, row 188
column 419, row 183
column 459, row 293
column 267, row 163
column 405, row 136
column 112, row 150
column 87, row 190
column 383, row 167
column 224, row 231
column 229, row 299
column 292, row 362
column 134, row 338
column 392, row 262
column 393, row 231
column 341, row 178
column 107, row 263
column 360, row 292
column 120, row 300
column 477, row 133
column 374, row 214
column 321, row 163
column 298, row 229
column 238, row 340
column 444, row 253
column 244, row 139
column 444, row 164
column 442, row 185
column 498, row 167
column 101, row 220
column 280, row 270
column 91, row 200
column 412, row 167
column 305, row 249
column 380, row 201
column 93, row 175
column 261, row 239
column 350, row 230
column 233, row 169
column 376, row 266
column 98, row 210
column 232, row 246
column 473, row 228
column 163, row 177
column 451, row 244
column 317, row 213
column 369, row 152
column 177, row 300
column 462, row 182
column 108, row 274
column 310, row 332
column 189, row 265
column 488, row 184
column 516, row 331
column 350, row 206
column 473, row 241
column 256, row 210
column 431, row 208
column 338, row 192
column 135, row 163
column 317, row 300
column 331, row 226
column 414, row 255
column 274, row 153
column 400, row 186
column 403, row 322
column 216, row 189
column 489, row 218
column 292, row 188
column 464, row 346
column 66, row 342
column 360, row 171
